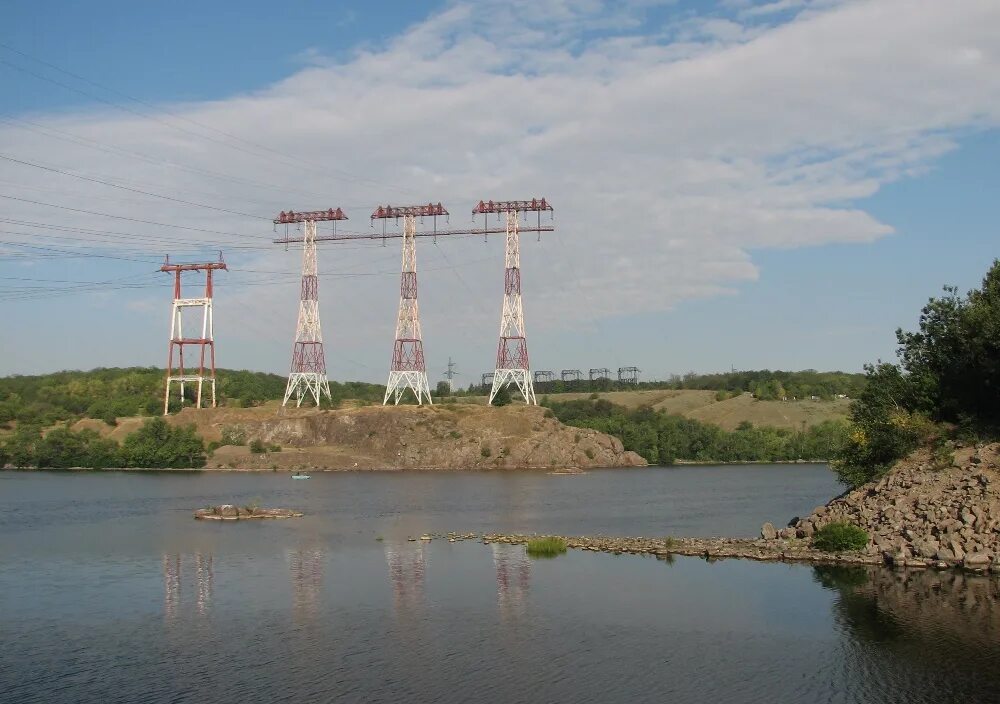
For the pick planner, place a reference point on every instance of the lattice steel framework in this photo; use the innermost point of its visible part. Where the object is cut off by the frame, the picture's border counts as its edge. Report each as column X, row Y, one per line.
column 600, row 373
column 512, row 365
column 408, row 369
column 307, row 376
column 177, row 343
column 628, row 375
column 544, row 376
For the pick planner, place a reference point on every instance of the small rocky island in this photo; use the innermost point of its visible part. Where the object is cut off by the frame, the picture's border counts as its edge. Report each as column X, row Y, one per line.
column 230, row 512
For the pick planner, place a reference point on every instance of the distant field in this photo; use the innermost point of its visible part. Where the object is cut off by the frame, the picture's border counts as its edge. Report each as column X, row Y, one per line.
column 702, row 406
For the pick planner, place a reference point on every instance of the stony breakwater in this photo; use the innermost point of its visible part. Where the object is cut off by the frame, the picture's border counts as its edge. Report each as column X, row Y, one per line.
column 928, row 511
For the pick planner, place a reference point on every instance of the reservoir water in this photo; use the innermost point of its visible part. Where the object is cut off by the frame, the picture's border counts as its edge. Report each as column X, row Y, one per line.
column 111, row 592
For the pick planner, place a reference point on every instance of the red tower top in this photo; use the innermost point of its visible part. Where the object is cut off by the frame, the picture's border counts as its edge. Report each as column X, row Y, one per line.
column 390, row 212
column 314, row 215
column 535, row 205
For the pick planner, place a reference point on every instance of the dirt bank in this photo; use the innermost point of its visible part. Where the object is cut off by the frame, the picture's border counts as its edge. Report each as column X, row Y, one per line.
column 445, row 436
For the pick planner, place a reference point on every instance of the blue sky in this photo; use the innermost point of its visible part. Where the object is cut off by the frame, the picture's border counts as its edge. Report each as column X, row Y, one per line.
column 750, row 184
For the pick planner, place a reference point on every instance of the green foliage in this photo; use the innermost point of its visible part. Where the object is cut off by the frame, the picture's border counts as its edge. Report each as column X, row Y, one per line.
column 233, row 435
column 454, row 434
column 257, row 447
column 502, row 397
column 485, row 451
column 839, row 537
column 589, row 453
column 663, row 439
column 157, row 444
column 442, row 389
column 949, row 372
column 545, row 547
column 109, row 394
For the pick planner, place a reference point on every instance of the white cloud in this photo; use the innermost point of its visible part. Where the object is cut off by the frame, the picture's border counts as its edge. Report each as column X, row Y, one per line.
column 667, row 161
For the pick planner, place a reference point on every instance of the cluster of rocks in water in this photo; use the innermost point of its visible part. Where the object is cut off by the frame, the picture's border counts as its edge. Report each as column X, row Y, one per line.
column 921, row 514
column 230, row 512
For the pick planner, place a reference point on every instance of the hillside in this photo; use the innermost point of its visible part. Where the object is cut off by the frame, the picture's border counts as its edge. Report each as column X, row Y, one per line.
column 445, row 436
column 728, row 414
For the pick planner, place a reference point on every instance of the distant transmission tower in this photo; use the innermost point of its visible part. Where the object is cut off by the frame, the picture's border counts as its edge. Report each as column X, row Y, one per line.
column 512, row 351
column 450, row 375
column 408, row 369
column 308, row 371
column 177, row 339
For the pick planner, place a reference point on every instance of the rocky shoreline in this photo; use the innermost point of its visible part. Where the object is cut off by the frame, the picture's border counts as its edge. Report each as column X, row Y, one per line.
column 929, row 510
column 229, row 512
column 761, row 549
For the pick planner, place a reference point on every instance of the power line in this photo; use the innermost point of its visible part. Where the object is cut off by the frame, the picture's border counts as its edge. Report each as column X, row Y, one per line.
column 127, row 188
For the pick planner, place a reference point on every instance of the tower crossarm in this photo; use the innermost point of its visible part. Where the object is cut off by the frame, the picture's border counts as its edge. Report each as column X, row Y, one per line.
column 535, row 205
column 394, row 212
column 291, row 216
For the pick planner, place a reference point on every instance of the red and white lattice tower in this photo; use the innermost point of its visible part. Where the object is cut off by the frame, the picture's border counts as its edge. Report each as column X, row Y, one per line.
column 408, row 369
column 175, row 348
column 512, row 351
column 307, row 376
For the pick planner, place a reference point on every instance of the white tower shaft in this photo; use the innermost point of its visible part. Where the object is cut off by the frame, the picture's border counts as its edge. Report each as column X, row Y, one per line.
column 308, row 371
column 512, row 350
column 408, row 369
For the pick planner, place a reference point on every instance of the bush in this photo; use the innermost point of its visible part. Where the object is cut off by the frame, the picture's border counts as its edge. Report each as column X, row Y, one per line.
column 257, row 447
column 839, row 537
column 589, row 453
column 158, row 445
column 485, row 451
column 502, row 397
column 545, row 547
column 233, row 435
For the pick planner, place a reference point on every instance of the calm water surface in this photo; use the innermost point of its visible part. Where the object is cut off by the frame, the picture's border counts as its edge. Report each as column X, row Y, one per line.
column 110, row 592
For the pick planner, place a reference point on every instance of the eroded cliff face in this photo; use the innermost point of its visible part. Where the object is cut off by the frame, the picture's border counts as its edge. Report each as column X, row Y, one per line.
column 920, row 513
column 445, row 436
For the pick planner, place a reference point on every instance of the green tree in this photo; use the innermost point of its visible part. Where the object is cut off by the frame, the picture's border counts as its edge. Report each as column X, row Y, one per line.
column 502, row 397
column 157, row 444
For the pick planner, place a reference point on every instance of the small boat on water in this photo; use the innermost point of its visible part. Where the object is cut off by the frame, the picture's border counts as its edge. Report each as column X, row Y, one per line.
column 300, row 475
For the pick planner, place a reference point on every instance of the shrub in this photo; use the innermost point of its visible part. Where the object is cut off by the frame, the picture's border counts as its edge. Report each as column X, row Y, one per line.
column 257, row 447
column 548, row 413
column 485, row 451
column 233, row 435
column 502, row 397
column 274, row 448
column 454, row 434
column 589, row 453
column 839, row 537
column 545, row 547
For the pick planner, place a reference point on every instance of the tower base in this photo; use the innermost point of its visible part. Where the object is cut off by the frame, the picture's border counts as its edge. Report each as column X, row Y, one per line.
column 520, row 377
column 400, row 381
column 302, row 384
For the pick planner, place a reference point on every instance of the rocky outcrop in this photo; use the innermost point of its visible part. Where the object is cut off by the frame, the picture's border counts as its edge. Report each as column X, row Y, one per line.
column 922, row 514
column 229, row 512
column 444, row 436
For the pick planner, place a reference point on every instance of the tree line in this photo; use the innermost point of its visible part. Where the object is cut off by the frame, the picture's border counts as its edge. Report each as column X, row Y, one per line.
column 764, row 384
column 111, row 393
column 155, row 445
column 663, row 438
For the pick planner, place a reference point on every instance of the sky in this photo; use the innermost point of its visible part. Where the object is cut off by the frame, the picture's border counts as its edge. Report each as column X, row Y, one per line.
column 776, row 184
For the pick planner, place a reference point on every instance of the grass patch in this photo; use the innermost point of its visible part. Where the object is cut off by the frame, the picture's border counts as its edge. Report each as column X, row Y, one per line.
column 839, row 537
column 545, row 547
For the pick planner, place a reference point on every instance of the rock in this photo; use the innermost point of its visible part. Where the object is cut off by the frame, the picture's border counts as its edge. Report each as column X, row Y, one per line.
column 945, row 554
column 787, row 533
column 767, row 532
column 227, row 510
column 806, row 529
column 976, row 561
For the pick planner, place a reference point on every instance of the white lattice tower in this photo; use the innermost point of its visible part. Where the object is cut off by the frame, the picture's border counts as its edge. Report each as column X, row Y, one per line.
column 308, row 372
column 512, row 350
column 408, row 369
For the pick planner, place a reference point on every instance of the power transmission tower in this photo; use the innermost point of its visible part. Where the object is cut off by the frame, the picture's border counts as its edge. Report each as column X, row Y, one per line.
column 450, row 375
column 628, row 375
column 570, row 375
column 177, row 339
column 307, row 375
column 600, row 373
column 408, row 369
column 512, row 351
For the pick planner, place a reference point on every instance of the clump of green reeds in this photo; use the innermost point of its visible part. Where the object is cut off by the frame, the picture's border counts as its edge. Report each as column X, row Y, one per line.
column 546, row 547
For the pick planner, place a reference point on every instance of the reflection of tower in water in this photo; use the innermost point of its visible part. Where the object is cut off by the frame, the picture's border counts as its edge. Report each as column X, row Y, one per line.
column 171, row 585
column 513, row 577
column 205, row 575
column 306, row 567
column 407, row 568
